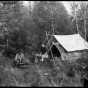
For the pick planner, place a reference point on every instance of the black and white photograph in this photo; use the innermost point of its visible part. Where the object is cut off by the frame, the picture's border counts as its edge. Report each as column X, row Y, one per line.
column 43, row 43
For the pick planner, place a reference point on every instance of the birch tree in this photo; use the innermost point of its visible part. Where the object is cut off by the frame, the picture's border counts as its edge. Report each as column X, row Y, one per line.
column 80, row 13
column 82, row 23
column 74, row 7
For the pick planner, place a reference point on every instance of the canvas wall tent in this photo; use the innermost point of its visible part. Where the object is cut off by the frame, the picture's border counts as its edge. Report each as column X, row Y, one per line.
column 71, row 47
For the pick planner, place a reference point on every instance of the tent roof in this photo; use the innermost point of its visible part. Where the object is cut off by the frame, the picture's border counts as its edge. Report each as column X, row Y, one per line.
column 72, row 42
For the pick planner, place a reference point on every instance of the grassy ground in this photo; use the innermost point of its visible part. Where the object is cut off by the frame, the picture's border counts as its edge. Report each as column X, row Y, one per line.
column 58, row 75
column 35, row 75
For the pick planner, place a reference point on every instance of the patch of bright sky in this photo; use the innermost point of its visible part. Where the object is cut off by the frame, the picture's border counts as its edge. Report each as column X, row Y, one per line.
column 67, row 5
column 28, row 4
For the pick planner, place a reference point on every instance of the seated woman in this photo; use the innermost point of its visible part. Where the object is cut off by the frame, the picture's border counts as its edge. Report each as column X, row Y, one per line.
column 19, row 57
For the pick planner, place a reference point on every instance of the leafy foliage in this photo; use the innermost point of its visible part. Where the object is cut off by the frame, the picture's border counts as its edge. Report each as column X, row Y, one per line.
column 45, row 13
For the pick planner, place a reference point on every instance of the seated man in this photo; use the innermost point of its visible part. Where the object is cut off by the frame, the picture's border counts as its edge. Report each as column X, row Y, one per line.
column 43, row 52
column 42, row 55
column 43, row 49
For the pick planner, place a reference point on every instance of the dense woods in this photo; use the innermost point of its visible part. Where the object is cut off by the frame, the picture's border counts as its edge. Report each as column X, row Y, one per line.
column 24, row 27
column 34, row 23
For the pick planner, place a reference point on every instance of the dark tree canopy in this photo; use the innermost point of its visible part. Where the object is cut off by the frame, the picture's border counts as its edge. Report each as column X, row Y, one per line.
column 43, row 17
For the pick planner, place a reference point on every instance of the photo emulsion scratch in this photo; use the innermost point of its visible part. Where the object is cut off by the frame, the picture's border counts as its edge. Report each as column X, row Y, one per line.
column 43, row 44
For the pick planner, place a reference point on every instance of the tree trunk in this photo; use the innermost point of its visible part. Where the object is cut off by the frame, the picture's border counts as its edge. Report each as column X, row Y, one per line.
column 85, row 22
column 76, row 21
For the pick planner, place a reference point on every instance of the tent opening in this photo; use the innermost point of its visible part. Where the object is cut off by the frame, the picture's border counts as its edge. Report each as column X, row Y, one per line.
column 55, row 51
